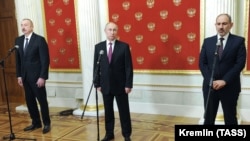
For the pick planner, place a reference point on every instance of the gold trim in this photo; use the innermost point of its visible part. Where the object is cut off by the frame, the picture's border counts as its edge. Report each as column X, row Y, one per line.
column 44, row 23
column 163, row 85
column 77, row 36
column 220, row 117
column 92, row 107
column 177, row 86
column 64, row 82
column 107, row 11
column 168, row 71
column 67, row 70
column 245, row 71
column 202, row 22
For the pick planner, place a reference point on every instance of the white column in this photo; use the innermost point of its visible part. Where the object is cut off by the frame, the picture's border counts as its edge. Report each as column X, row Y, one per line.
column 31, row 9
column 212, row 10
column 25, row 9
column 89, row 33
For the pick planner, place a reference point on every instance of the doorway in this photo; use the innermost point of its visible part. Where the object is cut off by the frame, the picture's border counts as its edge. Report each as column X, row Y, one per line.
column 8, row 33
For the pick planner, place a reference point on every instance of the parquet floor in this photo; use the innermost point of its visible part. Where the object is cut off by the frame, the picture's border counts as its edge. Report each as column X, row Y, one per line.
column 145, row 127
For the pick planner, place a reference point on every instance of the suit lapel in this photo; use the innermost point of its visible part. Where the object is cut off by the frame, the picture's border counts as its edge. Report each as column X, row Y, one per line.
column 227, row 46
column 105, row 54
column 115, row 50
column 31, row 42
column 22, row 44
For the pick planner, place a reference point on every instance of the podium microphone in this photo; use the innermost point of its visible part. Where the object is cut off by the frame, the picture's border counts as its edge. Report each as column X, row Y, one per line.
column 100, row 55
column 218, row 45
column 14, row 48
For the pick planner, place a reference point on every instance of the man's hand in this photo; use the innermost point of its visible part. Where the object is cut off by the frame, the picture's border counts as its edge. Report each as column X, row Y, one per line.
column 218, row 84
column 128, row 90
column 40, row 82
column 20, row 81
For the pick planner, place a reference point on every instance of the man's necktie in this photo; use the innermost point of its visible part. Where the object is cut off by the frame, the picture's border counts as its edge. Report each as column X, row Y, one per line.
column 26, row 44
column 221, row 47
column 110, row 52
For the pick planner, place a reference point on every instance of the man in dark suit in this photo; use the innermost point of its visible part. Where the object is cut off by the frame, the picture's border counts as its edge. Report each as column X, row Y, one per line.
column 32, row 66
column 225, row 86
column 114, row 79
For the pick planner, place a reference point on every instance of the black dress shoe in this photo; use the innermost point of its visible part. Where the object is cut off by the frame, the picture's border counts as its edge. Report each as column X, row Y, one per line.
column 108, row 138
column 32, row 127
column 127, row 139
column 46, row 129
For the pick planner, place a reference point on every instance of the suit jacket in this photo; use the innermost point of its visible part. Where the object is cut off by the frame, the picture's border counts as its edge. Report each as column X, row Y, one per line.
column 227, row 68
column 113, row 77
column 35, row 62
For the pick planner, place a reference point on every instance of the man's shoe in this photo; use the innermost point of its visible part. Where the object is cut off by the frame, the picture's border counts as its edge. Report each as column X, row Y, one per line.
column 127, row 139
column 32, row 127
column 46, row 129
column 108, row 138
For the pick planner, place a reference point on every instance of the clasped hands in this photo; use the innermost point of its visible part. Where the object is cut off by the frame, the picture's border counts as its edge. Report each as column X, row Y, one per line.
column 218, row 84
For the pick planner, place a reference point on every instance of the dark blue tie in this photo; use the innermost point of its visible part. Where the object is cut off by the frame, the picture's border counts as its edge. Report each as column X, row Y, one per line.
column 26, row 44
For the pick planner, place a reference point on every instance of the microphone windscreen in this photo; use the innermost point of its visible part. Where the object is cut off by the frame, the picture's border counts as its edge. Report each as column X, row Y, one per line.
column 218, row 43
column 101, row 52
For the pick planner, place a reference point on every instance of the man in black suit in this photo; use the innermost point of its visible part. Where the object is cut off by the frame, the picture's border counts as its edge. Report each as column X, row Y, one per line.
column 32, row 66
column 225, row 85
column 114, row 79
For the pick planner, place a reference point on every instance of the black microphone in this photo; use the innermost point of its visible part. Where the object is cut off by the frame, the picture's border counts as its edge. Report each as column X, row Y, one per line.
column 218, row 45
column 14, row 48
column 99, row 58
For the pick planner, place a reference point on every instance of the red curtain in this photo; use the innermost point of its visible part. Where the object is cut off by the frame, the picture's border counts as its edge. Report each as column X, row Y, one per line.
column 164, row 35
column 62, row 35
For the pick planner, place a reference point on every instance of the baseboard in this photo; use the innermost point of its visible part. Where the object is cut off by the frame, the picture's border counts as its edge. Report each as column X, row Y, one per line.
column 166, row 109
column 152, row 108
column 180, row 110
column 79, row 112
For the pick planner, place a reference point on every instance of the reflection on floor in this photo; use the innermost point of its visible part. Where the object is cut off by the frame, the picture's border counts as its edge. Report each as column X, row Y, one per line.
column 72, row 128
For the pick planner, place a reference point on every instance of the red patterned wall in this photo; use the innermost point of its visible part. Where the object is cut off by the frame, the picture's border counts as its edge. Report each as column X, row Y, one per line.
column 247, row 44
column 164, row 35
column 62, row 35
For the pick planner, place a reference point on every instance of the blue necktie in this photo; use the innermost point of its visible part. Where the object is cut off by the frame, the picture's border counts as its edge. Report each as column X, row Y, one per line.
column 26, row 44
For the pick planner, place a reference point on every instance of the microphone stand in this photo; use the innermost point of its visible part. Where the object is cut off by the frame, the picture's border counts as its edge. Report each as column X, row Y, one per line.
column 211, row 81
column 11, row 136
column 97, row 109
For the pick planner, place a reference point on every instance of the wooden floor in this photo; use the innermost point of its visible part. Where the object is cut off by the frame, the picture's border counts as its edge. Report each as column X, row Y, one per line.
column 72, row 128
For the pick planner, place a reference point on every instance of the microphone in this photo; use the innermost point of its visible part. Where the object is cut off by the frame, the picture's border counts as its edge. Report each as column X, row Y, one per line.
column 14, row 48
column 218, row 45
column 100, row 55
column 97, row 66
